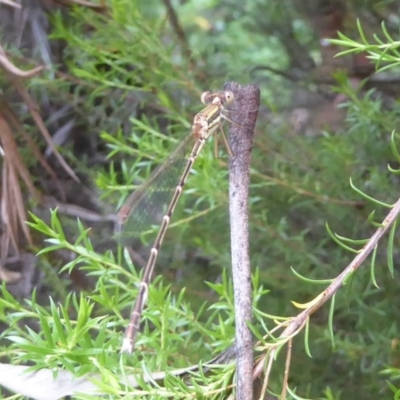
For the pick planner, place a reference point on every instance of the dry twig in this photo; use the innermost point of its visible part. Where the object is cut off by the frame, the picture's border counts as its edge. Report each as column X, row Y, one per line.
column 247, row 100
column 296, row 324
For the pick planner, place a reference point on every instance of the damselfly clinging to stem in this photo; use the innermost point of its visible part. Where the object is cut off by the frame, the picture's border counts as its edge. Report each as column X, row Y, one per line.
column 163, row 189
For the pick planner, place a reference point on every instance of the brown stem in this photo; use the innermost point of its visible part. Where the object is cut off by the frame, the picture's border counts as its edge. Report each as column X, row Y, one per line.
column 247, row 99
column 176, row 25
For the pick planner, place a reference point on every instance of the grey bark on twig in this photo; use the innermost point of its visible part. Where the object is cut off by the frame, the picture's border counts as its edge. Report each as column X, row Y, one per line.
column 243, row 117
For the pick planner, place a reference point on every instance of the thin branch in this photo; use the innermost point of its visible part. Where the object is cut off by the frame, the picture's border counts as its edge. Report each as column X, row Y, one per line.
column 177, row 27
column 301, row 319
column 180, row 34
column 247, row 100
column 287, row 368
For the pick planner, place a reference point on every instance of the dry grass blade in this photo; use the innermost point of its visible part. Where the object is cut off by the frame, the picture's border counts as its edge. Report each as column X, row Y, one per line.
column 17, row 126
column 12, row 204
column 33, row 108
column 9, row 213
column 12, row 156
column 12, row 69
column 10, row 3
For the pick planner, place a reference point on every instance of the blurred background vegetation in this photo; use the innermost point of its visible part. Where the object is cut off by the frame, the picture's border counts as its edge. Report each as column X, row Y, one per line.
column 124, row 77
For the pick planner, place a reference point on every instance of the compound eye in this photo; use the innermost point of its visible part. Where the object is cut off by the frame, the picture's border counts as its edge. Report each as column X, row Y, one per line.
column 205, row 97
column 229, row 97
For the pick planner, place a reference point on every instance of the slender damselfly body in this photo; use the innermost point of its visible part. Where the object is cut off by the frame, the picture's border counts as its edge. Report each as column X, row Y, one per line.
column 164, row 188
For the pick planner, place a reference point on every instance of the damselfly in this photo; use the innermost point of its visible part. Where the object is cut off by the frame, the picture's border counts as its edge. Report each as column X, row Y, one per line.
column 163, row 189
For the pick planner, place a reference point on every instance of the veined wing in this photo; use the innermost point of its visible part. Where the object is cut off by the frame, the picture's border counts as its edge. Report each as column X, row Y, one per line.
column 147, row 205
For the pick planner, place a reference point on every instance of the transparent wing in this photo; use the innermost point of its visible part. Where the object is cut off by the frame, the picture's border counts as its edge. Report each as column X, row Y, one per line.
column 147, row 205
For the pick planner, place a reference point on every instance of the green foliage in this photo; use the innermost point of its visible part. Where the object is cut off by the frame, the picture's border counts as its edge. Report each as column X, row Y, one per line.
column 82, row 334
column 381, row 52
